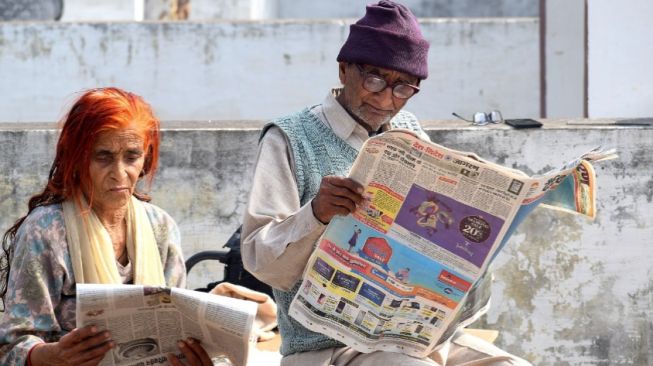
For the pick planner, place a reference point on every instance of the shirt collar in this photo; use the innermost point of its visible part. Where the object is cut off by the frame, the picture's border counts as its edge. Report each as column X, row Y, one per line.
column 340, row 121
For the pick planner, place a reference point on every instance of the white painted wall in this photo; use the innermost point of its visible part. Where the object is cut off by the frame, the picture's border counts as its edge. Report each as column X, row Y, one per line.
column 255, row 70
column 232, row 9
column 216, row 9
column 107, row 10
column 98, row 10
column 421, row 8
column 620, row 54
column 565, row 58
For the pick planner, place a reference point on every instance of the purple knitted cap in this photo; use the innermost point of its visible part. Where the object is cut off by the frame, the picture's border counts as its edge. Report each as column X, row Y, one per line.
column 388, row 36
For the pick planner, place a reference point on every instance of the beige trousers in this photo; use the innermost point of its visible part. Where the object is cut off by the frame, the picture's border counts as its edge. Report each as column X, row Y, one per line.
column 463, row 350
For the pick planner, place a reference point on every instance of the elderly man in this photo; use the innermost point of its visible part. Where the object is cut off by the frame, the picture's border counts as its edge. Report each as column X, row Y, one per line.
column 300, row 184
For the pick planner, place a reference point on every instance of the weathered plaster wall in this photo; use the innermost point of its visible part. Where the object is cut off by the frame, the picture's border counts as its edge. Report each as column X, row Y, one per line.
column 116, row 10
column 300, row 9
column 254, row 70
column 616, row 35
column 421, row 8
column 564, row 58
column 570, row 291
column 567, row 292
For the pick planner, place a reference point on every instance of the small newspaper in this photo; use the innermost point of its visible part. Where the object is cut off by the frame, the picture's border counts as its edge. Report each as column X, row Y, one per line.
column 395, row 274
column 147, row 321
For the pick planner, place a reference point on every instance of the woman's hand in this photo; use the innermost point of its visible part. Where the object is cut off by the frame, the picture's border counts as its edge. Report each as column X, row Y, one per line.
column 81, row 347
column 194, row 353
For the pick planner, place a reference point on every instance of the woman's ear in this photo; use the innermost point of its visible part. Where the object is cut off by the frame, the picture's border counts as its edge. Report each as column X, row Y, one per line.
column 147, row 164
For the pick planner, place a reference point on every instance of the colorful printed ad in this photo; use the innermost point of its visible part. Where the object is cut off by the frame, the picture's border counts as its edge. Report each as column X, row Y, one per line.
column 460, row 229
column 379, row 208
column 381, row 260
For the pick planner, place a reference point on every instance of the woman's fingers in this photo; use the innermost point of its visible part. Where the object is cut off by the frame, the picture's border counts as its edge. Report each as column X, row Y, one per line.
column 92, row 346
column 174, row 361
column 191, row 357
column 194, row 353
column 82, row 345
column 199, row 351
column 92, row 353
column 77, row 335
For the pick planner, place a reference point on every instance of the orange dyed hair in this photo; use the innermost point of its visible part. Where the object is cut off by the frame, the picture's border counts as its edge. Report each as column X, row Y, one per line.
column 95, row 112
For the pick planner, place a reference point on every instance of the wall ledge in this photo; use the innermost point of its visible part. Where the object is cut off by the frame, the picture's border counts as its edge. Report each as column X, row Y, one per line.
column 245, row 125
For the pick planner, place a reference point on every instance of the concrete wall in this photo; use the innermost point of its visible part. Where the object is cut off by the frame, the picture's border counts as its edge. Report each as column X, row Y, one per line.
column 31, row 10
column 565, row 58
column 215, row 9
column 421, row 8
column 567, row 292
column 98, row 10
column 620, row 76
column 85, row 10
column 255, row 70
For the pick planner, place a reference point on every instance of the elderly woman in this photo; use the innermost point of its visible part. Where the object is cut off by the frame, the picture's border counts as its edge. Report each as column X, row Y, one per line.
column 89, row 225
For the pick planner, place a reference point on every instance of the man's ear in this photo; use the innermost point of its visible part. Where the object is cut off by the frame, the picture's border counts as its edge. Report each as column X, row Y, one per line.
column 341, row 71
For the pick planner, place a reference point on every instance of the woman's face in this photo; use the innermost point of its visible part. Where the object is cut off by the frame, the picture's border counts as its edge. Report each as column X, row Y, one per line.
column 116, row 162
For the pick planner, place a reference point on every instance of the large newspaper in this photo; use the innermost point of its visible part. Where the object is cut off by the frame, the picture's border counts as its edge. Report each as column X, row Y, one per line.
column 146, row 322
column 395, row 274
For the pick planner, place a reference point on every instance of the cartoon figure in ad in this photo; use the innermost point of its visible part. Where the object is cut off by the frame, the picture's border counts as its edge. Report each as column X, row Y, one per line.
column 403, row 275
column 430, row 212
column 462, row 230
column 354, row 238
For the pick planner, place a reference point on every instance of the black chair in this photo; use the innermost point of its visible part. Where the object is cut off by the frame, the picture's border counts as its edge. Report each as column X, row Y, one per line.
column 234, row 271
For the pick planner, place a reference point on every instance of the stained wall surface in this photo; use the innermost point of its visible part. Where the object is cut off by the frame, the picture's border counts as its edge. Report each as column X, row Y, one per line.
column 568, row 291
column 255, row 69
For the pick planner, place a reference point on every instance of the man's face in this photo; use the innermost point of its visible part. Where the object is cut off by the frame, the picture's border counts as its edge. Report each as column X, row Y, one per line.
column 371, row 110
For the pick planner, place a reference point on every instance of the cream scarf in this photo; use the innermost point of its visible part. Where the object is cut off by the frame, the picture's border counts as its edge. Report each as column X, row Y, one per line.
column 91, row 250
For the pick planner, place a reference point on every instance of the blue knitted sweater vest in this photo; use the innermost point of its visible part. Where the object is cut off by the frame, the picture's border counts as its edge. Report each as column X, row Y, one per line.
column 317, row 152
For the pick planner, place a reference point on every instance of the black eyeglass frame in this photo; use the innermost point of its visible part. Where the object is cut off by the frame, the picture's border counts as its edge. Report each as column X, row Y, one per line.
column 367, row 75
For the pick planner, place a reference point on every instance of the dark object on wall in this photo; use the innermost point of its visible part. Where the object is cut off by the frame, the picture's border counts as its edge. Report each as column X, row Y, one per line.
column 233, row 266
column 523, row 123
column 31, row 10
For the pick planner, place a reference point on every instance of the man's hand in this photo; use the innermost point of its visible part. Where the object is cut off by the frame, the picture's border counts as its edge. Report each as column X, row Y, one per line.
column 194, row 353
column 81, row 347
column 337, row 196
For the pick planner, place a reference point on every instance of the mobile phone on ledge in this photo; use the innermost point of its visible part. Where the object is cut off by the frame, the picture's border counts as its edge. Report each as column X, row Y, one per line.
column 523, row 123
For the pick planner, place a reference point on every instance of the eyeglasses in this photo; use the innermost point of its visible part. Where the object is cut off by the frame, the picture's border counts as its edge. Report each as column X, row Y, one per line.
column 482, row 119
column 374, row 83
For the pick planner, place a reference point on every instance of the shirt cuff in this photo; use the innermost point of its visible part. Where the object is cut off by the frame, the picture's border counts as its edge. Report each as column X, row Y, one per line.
column 307, row 220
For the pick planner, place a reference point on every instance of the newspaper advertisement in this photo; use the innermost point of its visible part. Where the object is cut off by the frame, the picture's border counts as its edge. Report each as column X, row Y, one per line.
column 147, row 321
column 394, row 274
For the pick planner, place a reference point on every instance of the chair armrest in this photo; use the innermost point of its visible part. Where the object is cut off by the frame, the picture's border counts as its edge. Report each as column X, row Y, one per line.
column 216, row 255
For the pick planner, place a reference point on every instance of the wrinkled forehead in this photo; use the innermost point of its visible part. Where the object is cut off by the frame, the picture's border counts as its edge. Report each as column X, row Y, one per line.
column 390, row 74
column 113, row 140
